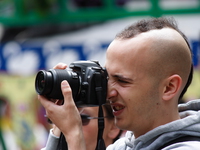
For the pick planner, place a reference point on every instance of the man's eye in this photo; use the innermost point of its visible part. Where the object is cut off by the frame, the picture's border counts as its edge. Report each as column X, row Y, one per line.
column 122, row 81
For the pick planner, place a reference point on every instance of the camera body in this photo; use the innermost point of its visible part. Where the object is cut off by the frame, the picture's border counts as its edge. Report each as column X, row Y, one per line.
column 87, row 79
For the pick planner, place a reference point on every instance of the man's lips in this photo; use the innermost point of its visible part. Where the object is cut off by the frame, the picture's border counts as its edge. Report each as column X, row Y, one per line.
column 117, row 108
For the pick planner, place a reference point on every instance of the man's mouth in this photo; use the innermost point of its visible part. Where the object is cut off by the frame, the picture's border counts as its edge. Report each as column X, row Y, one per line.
column 117, row 107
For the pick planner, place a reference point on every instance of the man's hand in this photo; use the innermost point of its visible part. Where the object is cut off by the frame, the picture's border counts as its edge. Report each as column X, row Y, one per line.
column 66, row 117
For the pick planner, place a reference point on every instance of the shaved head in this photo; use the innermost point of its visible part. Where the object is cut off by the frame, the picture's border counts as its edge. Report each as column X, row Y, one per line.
column 169, row 53
column 168, row 49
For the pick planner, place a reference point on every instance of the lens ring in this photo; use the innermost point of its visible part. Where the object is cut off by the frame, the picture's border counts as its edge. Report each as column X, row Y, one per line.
column 43, row 82
column 40, row 82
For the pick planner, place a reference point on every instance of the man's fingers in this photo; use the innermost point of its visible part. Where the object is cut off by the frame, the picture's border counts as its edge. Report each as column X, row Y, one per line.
column 60, row 66
column 43, row 100
column 48, row 105
column 66, row 91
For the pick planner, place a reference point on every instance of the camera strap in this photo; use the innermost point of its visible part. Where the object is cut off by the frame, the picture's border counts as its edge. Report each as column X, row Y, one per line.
column 100, row 141
column 62, row 144
column 98, row 89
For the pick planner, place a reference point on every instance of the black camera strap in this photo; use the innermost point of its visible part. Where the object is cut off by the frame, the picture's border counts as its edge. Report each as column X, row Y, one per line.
column 98, row 89
column 100, row 141
column 62, row 144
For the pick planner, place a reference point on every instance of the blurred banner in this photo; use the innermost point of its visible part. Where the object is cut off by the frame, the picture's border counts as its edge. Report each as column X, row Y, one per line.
column 19, row 59
column 25, row 60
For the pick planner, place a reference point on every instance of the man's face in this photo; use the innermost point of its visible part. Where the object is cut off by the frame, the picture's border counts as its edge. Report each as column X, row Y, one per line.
column 133, row 93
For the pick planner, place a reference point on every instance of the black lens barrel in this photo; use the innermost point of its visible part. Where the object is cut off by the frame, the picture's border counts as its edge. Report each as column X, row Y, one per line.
column 48, row 83
column 43, row 82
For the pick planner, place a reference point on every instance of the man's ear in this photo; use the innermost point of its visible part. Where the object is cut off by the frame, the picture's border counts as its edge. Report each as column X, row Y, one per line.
column 171, row 87
column 114, row 131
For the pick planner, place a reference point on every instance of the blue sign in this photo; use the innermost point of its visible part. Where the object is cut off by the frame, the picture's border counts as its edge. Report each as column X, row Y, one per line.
column 16, row 58
column 27, row 59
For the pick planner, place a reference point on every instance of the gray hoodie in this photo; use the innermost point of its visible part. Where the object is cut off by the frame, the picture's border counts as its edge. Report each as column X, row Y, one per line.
column 152, row 140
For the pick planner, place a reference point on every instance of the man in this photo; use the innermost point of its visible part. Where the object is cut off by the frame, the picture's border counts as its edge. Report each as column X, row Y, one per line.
column 149, row 68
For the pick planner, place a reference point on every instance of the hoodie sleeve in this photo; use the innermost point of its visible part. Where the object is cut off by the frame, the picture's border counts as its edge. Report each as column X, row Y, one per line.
column 52, row 142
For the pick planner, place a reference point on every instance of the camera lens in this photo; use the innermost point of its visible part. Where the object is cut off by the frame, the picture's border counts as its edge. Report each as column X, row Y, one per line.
column 43, row 82
column 48, row 83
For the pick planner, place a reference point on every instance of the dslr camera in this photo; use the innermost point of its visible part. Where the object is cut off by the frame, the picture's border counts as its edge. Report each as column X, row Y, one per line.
column 87, row 79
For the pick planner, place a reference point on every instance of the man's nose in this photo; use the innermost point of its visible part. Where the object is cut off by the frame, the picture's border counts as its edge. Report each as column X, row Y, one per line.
column 112, row 92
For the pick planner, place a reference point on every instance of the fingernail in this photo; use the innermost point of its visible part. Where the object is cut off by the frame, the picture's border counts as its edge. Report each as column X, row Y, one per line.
column 63, row 65
column 64, row 83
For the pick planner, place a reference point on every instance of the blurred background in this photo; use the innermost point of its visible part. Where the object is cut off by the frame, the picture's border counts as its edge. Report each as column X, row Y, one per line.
column 37, row 34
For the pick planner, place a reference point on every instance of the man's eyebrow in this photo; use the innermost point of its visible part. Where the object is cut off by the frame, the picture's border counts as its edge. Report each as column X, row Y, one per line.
column 122, row 77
